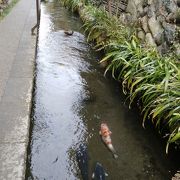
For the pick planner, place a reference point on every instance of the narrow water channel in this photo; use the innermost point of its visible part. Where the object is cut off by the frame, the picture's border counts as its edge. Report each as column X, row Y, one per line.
column 71, row 99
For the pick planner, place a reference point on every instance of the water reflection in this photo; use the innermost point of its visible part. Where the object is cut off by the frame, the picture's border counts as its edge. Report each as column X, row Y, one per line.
column 57, row 125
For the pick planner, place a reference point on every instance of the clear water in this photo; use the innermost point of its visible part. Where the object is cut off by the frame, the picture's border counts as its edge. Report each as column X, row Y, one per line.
column 71, row 99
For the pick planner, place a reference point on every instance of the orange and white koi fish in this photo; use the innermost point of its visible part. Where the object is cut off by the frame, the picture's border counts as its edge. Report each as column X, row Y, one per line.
column 105, row 134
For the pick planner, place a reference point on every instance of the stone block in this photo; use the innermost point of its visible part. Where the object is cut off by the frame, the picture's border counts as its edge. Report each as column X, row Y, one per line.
column 154, row 26
column 149, row 40
column 141, row 35
column 131, row 8
column 144, row 24
column 169, row 32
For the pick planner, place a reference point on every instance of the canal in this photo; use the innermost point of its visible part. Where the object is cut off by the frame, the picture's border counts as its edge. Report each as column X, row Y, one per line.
column 71, row 99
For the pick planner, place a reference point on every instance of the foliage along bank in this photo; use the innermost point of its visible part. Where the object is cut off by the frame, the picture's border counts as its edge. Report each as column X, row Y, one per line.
column 146, row 76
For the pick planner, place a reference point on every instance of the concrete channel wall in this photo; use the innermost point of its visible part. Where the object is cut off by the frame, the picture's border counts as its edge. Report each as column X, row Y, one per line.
column 17, row 52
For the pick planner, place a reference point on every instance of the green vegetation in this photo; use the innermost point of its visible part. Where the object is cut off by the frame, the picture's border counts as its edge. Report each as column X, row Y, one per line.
column 8, row 9
column 146, row 76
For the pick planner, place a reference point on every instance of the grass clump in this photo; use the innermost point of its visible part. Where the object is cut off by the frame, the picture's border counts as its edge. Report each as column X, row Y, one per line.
column 146, row 76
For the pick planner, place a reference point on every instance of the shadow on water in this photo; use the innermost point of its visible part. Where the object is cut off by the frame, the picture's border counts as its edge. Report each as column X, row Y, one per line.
column 71, row 99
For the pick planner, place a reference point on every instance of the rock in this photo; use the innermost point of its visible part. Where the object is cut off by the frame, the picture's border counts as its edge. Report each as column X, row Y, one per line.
column 131, row 8
column 104, row 64
column 169, row 5
column 145, row 10
column 169, row 32
column 139, row 7
column 159, row 4
column 138, row 2
column 141, row 35
column 155, row 26
column 151, row 11
column 145, row 3
column 163, row 48
column 159, row 38
column 161, row 10
column 129, row 18
column 161, row 18
column 177, row 16
column 149, row 40
column 140, row 11
column 177, row 50
column 122, row 18
column 144, row 24
column 150, row 2
column 170, row 18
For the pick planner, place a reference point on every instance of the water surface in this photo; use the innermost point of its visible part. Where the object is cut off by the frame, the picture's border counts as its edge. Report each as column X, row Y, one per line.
column 71, row 99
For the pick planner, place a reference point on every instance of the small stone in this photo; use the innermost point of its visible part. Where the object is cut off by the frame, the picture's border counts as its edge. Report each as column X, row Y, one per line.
column 104, row 64
column 151, row 12
column 131, row 8
column 170, row 18
column 155, row 26
column 149, row 40
column 145, row 10
column 150, row 2
column 161, row 18
column 177, row 50
column 169, row 32
column 161, row 10
column 170, row 5
column 141, row 35
column 163, row 48
column 145, row 3
column 140, row 11
column 122, row 18
column 126, row 18
column 129, row 18
column 159, row 38
column 144, row 24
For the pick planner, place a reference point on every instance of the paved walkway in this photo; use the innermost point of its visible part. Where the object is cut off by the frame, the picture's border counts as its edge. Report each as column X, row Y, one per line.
column 17, row 49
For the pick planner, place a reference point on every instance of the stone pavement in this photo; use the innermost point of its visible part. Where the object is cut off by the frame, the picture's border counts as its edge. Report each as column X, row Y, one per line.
column 17, row 52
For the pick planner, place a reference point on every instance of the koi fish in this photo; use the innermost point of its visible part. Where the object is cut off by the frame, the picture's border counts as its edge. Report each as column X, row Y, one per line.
column 105, row 134
column 99, row 172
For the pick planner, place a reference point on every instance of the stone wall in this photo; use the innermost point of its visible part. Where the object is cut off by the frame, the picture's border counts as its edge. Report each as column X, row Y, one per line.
column 157, row 22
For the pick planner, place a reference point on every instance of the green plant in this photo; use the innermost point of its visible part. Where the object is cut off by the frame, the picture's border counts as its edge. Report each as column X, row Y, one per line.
column 144, row 74
column 153, row 79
